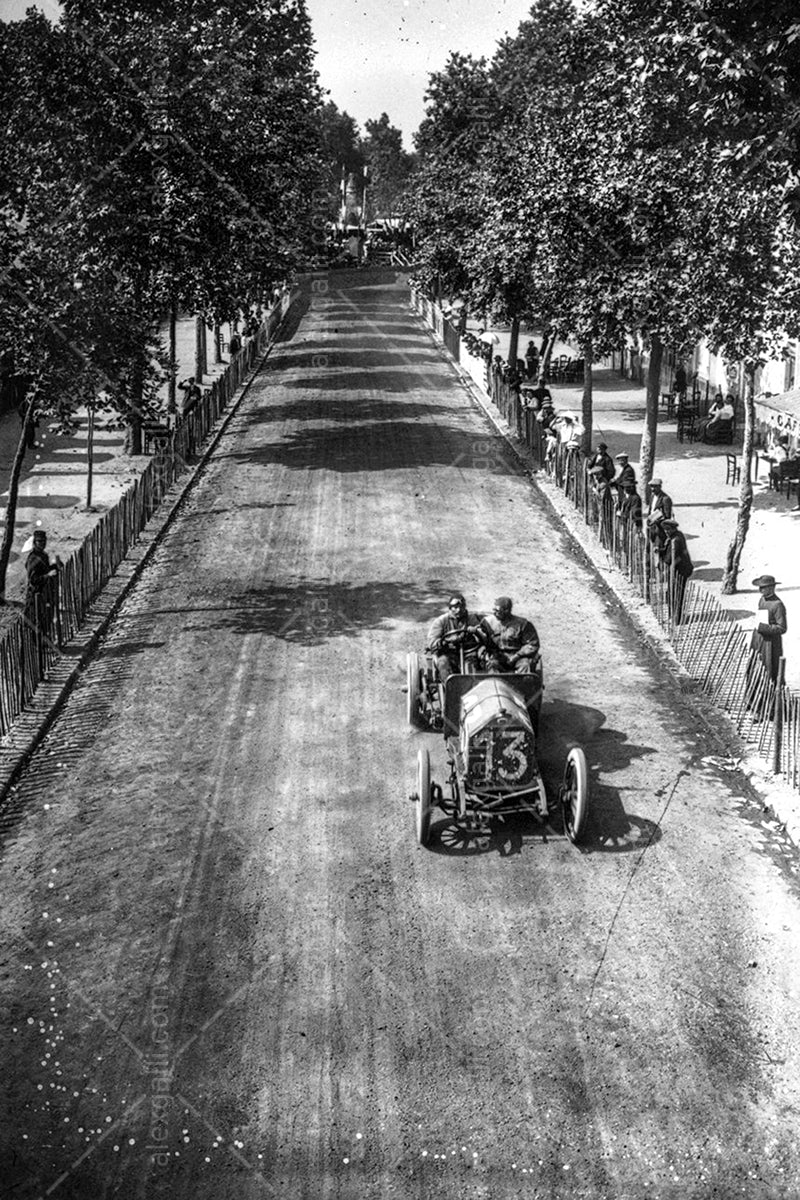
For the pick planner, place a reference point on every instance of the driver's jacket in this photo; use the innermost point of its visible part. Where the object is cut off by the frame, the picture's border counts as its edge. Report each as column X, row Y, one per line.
column 448, row 623
column 516, row 636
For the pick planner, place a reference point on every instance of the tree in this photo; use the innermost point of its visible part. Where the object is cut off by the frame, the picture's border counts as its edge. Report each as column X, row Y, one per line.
column 731, row 262
column 450, row 144
column 388, row 164
column 153, row 160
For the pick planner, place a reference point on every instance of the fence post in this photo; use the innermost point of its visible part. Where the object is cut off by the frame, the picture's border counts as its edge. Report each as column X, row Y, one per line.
column 778, row 718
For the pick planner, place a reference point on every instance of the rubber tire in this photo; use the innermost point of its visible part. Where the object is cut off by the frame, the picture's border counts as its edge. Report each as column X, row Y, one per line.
column 423, row 805
column 413, row 690
column 575, row 794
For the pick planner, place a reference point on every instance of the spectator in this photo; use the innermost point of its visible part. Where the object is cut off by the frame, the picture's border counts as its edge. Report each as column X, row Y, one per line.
column 718, row 422
column 546, row 416
column 601, row 491
column 192, row 394
column 714, row 408
column 38, row 566
column 767, row 641
column 601, row 458
column 541, row 393
column 39, row 600
column 625, row 474
column 570, row 430
column 629, row 507
column 779, row 454
column 675, row 556
column 532, row 360
column 489, row 341
column 235, row 344
column 660, row 509
column 680, row 383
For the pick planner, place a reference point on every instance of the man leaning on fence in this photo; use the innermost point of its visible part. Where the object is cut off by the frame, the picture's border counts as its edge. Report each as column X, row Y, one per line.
column 39, row 599
column 675, row 556
column 660, row 510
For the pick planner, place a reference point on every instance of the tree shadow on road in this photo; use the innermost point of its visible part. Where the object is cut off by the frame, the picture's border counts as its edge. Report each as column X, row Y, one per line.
column 312, row 611
column 358, row 370
column 357, row 410
column 382, row 445
column 410, row 339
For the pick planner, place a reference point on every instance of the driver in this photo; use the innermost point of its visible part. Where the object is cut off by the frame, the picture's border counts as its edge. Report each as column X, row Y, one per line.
column 511, row 643
column 449, row 632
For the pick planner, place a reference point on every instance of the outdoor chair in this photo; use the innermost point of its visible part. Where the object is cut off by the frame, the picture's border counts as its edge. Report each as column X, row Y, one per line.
column 686, row 420
column 668, row 404
column 733, row 469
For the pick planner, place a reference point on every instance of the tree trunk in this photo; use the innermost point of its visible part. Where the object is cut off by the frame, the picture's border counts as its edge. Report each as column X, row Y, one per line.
column 135, row 426
column 544, row 368
column 513, row 346
column 13, row 493
column 173, row 362
column 729, row 579
column 199, row 348
column 587, row 415
column 647, row 452
column 217, row 344
column 89, row 458
column 133, row 441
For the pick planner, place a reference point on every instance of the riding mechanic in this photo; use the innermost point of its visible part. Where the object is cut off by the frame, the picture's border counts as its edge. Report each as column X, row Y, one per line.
column 511, row 642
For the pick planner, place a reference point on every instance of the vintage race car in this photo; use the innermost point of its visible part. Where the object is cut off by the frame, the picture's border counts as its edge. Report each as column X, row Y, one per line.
column 490, row 724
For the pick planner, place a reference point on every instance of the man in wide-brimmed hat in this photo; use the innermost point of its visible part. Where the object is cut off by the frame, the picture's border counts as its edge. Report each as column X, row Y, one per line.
column 768, row 634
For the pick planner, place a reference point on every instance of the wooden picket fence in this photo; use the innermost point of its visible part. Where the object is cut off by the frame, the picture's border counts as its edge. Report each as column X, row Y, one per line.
column 30, row 644
column 706, row 639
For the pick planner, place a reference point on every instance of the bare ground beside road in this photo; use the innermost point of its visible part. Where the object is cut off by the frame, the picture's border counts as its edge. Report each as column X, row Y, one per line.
column 228, row 971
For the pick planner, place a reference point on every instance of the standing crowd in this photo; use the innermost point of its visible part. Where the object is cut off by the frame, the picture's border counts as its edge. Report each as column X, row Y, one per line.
column 618, row 505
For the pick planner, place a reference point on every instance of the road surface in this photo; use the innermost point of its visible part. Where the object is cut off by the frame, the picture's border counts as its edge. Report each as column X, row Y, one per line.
column 227, row 969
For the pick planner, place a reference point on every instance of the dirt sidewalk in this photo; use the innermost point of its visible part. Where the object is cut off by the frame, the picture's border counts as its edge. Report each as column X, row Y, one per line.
column 53, row 485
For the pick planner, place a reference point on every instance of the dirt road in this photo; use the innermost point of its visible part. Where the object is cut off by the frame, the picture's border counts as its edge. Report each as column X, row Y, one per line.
column 228, row 970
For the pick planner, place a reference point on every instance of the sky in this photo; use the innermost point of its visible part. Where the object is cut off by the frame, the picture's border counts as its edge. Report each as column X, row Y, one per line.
column 375, row 56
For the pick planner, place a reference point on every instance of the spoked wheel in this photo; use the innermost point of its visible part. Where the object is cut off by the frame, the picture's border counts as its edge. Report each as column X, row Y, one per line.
column 413, row 690
column 575, row 793
column 423, row 798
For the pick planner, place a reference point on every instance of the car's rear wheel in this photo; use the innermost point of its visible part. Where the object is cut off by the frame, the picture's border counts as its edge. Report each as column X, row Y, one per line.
column 413, row 690
column 423, row 803
column 575, row 794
